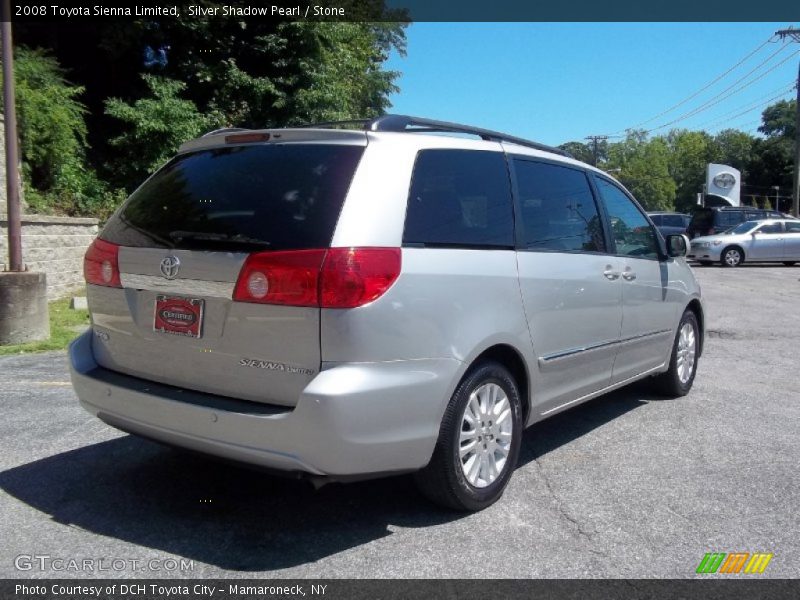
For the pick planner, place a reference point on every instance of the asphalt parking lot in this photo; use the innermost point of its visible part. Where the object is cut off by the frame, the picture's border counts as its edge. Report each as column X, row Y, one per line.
column 628, row 485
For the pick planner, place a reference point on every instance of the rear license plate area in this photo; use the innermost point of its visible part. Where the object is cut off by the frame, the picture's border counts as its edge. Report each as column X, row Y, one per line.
column 178, row 316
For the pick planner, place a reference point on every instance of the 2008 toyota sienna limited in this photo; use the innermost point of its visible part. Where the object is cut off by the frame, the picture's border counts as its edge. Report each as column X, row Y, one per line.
column 354, row 301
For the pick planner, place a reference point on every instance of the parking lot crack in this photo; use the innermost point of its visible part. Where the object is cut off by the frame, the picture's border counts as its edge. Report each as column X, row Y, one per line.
column 573, row 522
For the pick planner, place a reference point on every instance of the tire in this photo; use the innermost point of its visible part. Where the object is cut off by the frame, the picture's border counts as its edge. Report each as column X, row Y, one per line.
column 732, row 256
column 468, row 484
column 676, row 381
column 789, row 263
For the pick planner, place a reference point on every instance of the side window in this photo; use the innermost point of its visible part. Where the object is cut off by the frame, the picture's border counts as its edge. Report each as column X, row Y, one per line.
column 460, row 198
column 792, row 226
column 632, row 233
column 673, row 220
column 656, row 219
column 558, row 210
column 770, row 228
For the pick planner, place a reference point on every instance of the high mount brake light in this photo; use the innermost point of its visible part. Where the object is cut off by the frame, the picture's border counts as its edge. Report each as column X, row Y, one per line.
column 246, row 138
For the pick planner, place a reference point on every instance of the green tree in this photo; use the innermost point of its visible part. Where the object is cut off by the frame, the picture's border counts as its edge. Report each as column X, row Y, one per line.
column 778, row 120
column 689, row 154
column 643, row 167
column 247, row 73
column 53, row 145
column 266, row 73
column 734, row 148
column 157, row 125
column 772, row 158
column 52, row 131
column 583, row 152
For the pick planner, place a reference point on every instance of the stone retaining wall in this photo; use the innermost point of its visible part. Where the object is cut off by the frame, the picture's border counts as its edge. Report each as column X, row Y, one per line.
column 54, row 245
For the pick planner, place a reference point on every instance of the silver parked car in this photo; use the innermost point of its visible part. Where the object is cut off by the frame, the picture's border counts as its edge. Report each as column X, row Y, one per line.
column 767, row 240
column 344, row 303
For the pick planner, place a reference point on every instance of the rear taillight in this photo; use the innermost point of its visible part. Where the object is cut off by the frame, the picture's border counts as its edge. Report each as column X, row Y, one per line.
column 333, row 278
column 101, row 264
column 356, row 276
column 290, row 277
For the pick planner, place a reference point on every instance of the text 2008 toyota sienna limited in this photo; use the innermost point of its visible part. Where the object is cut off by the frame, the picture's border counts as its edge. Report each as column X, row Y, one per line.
column 352, row 303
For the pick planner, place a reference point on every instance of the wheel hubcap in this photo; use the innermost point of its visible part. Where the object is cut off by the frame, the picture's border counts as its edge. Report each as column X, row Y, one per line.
column 686, row 352
column 732, row 257
column 486, row 430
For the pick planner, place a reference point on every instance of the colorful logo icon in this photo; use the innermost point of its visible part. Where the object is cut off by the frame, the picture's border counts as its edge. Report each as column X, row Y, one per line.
column 735, row 562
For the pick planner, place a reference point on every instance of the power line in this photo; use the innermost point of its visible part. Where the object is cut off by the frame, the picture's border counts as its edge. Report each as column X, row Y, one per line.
column 751, row 109
column 704, row 88
column 784, row 89
column 722, row 96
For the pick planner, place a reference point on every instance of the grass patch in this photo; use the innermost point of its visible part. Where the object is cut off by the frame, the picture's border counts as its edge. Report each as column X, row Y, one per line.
column 64, row 322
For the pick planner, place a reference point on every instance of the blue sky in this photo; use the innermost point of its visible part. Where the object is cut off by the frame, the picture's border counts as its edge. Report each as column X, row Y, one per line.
column 556, row 82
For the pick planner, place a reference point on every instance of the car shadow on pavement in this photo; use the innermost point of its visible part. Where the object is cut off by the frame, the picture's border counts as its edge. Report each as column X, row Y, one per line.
column 244, row 520
column 561, row 429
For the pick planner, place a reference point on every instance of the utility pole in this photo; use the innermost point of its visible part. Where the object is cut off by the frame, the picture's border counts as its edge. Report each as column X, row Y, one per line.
column 23, row 294
column 599, row 138
column 794, row 34
column 12, row 153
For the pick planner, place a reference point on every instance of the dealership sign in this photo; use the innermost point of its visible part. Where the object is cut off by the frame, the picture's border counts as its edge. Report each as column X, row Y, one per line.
column 723, row 185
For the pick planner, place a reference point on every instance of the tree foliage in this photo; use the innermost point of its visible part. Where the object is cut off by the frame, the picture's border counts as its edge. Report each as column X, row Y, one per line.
column 151, row 84
column 52, row 139
column 642, row 165
column 52, row 131
column 156, row 127
column 667, row 172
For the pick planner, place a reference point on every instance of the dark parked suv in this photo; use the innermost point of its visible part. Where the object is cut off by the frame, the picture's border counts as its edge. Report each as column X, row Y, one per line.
column 670, row 222
column 708, row 221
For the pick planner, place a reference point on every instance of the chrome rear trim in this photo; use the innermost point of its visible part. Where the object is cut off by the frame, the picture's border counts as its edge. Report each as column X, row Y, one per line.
column 184, row 287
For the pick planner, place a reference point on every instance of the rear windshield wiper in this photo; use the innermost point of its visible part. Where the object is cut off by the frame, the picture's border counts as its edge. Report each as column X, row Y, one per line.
column 207, row 236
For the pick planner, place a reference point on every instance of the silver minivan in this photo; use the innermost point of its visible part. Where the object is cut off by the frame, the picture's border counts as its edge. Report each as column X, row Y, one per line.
column 356, row 300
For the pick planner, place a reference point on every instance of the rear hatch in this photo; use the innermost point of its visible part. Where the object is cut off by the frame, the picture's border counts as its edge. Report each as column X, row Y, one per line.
column 701, row 223
column 181, row 240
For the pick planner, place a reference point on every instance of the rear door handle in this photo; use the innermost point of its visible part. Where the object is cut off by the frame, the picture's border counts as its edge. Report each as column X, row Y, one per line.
column 628, row 275
column 610, row 273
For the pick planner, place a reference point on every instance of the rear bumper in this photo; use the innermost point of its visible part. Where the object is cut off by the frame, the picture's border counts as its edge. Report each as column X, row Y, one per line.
column 352, row 420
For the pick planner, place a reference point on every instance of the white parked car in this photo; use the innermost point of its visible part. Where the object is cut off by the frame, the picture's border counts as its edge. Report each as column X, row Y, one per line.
column 770, row 240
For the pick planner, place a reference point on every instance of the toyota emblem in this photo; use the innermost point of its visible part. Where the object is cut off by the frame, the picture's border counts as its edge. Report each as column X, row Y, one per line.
column 170, row 265
column 724, row 180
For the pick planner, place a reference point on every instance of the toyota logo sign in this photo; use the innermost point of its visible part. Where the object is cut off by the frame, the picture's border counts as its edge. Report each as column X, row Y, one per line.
column 724, row 180
column 170, row 265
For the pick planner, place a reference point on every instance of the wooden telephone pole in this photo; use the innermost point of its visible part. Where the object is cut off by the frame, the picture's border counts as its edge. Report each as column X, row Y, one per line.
column 598, row 138
column 794, row 34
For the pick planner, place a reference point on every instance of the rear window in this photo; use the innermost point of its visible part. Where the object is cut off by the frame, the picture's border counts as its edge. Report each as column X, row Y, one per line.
column 702, row 219
column 278, row 196
column 460, row 198
column 673, row 221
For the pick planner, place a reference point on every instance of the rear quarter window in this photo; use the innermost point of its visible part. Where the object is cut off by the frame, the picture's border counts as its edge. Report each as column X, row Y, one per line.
column 273, row 196
column 460, row 198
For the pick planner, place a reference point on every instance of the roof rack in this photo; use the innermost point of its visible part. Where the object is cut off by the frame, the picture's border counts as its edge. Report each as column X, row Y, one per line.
column 225, row 130
column 403, row 123
column 333, row 124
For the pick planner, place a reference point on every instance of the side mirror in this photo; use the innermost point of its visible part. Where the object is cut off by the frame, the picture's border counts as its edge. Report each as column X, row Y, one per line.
column 677, row 245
